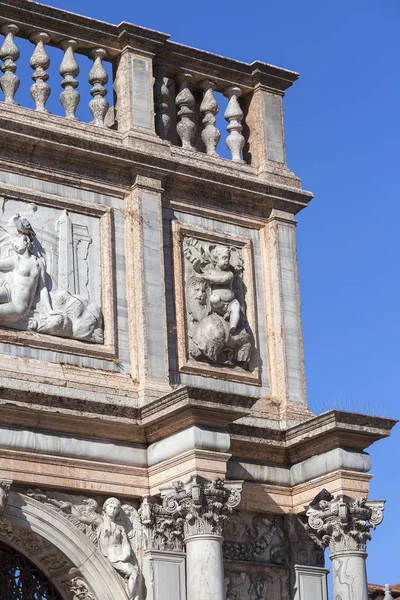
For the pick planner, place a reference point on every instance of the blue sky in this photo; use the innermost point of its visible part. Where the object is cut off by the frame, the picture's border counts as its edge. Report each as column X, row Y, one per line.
column 342, row 132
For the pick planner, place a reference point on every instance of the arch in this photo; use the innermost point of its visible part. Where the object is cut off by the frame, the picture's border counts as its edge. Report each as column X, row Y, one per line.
column 30, row 514
column 20, row 578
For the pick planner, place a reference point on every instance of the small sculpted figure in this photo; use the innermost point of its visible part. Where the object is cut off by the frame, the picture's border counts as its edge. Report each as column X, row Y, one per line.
column 220, row 276
column 218, row 330
column 4, row 492
column 110, row 535
column 25, row 278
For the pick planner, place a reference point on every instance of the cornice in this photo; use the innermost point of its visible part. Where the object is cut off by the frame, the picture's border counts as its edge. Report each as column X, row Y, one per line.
column 108, row 157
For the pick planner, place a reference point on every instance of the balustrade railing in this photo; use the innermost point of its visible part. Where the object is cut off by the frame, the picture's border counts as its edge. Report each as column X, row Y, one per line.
column 68, row 69
column 195, row 110
column 159, row 87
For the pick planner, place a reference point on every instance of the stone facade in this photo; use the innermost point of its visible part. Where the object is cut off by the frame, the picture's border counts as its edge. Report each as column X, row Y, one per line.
column 155, row 439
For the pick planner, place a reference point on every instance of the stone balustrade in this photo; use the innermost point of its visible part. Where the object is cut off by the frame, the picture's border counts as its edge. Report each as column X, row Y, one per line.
column 159, row 87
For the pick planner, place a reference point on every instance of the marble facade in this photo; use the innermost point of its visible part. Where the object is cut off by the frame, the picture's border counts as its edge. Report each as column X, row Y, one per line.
column 155, row 438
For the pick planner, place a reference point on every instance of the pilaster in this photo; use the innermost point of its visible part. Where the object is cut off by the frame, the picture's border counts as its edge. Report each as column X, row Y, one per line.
column 284, row 332
column 145, row 293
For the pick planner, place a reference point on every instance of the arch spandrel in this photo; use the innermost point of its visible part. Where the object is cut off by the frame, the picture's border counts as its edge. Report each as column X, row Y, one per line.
column 78, row 551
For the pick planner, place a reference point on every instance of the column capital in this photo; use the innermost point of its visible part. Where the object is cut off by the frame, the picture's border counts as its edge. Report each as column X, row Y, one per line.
column 202, row 505
column 344, row 524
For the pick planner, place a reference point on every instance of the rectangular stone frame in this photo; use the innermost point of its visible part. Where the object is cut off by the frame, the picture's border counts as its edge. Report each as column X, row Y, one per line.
column 108, row 350
column 186, row 364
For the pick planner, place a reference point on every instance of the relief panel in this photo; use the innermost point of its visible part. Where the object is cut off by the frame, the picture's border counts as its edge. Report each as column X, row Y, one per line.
column 55, row 275
column 215, row 303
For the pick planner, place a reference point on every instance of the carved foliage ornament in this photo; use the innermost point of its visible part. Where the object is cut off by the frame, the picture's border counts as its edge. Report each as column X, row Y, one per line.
column 261, row 539
column 344, row 524
column 202, row 506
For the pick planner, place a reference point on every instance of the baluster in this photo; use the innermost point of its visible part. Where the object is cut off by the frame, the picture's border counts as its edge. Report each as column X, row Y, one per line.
column 9, row 82
column 98, row 78
column 40, row 90
column 235, row 141
column 209, row 106
column 161, row 94
column 69, row 69
column 186, row 102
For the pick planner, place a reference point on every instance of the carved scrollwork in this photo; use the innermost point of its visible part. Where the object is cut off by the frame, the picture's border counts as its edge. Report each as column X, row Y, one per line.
column 344, row 524
column 202, row 506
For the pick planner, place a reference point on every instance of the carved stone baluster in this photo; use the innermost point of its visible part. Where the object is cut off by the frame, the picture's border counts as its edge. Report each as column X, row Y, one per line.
column 40, row 90
column 209, row 106
column 161, row 94
column 185, row 101
column 98, row 78
column 235, row 141
column 69, row 69
column 9, row 53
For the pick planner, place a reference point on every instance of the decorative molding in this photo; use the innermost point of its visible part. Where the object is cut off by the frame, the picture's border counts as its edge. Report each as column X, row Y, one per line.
column 201, row 505
column 216, row 322
column 344, row 524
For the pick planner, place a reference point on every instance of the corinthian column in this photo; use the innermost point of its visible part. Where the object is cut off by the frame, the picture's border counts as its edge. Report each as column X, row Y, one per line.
column 344, row 525
column 203, row 506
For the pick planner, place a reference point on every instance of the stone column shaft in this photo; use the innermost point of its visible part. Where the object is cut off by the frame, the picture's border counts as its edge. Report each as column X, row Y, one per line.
column 204, row 567
column 349, row 575
column 202, row 507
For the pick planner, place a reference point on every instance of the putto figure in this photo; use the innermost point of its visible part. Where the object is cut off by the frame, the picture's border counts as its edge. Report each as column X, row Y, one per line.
column 218, row 329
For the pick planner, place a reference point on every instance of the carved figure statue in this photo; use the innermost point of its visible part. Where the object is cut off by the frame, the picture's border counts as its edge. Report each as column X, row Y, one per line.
column 259, row 587
column 215, row 301
column 26, row 277
column 4, row 493
column 111, row 533
column 114, row 545
column 28, row 299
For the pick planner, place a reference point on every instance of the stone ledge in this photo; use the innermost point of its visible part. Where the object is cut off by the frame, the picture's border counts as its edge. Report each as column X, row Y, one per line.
column 147, row 155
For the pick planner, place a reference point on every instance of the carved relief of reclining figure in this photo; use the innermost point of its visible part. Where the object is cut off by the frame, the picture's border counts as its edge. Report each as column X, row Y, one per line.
column 27, row 300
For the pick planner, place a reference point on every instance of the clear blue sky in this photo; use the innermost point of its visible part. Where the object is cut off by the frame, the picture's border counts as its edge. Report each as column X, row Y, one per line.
column 342, row 132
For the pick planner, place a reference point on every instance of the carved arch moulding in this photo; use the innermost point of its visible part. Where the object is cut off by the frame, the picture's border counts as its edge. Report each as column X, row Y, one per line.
column 59, row 549
column 215, row 304
column 56, row 273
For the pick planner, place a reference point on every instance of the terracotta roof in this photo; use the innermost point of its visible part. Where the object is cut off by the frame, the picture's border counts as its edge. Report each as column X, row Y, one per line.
column 376, row 590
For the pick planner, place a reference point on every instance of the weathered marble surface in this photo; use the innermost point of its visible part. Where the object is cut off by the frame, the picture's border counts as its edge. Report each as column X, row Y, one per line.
column 218, row 330
column 50, row 260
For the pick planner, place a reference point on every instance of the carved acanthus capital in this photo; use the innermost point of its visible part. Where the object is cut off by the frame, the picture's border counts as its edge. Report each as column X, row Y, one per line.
column 5, row 485
column 161, row 531
column 203, row 506
column 344, row 524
